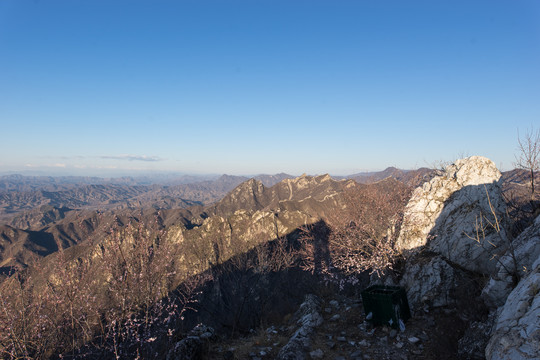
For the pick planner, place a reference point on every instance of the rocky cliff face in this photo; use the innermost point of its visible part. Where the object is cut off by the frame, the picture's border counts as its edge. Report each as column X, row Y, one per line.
column 314, row 195
column 447, row 213
column 519, row 259
column 441, row 234
column 516, row 334
column 454, row 228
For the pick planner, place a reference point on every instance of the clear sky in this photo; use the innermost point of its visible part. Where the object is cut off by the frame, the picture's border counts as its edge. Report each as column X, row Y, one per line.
column 260, row 86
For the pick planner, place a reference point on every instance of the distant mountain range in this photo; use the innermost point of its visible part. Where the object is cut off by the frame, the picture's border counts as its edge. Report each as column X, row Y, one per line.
column 62, row 213
column 31, row 202
column 38, row 215
column 410, row 177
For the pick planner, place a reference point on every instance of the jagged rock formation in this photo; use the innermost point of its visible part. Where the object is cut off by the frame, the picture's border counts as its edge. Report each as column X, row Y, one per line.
column 454, row 226
column 517, row 330
column 311, row 195
column 308, row 317
column 517, row 261
column 444, row 212
column 512, row 293
column 429, row 282
column 440, row 219
column 253, row 214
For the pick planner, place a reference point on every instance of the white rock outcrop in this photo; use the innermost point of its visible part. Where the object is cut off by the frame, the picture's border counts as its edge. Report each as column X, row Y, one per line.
column 444, row 214
column 519, row 258
column 517, row 331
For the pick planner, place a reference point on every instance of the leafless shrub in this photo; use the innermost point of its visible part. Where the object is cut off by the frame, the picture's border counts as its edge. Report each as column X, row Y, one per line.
column 362, row 237
column 528, row 157
column 55, row 316
column 116, row 301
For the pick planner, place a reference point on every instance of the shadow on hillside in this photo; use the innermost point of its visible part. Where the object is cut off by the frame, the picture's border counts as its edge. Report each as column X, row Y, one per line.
column 249, row 291
column 19, row 254
column 259, row 287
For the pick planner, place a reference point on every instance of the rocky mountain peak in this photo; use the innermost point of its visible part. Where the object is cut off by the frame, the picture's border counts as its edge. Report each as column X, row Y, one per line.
column 474, row 170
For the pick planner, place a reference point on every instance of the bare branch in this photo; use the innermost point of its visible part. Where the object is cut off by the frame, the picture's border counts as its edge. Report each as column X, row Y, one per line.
column 528, row 157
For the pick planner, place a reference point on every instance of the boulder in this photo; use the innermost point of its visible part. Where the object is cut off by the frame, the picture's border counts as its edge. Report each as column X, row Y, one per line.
column 515, row 263
column 193, row 346
column 429, row 282
column 445, row 214
column 516, row 334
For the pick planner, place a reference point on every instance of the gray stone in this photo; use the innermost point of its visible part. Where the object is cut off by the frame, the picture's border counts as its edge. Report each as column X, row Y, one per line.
column 309, row 312
column 189, row 348
column 192, row 346
column 316, row 354
column 518, row 259
column 473, row 343
column 363, row 343
column 428, row 282
column 516, row 333
column 309, row 317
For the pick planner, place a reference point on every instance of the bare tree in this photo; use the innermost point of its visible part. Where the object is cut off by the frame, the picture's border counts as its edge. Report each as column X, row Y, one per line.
column 528, row 157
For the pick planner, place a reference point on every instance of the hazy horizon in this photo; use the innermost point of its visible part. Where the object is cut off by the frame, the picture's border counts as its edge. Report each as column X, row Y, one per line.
column 116, row 173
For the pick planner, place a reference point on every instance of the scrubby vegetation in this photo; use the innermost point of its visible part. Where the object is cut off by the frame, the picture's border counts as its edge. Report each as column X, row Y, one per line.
column 118, row 301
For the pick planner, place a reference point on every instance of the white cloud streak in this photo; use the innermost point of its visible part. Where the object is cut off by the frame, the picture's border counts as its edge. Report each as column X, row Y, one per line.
column 132, row 157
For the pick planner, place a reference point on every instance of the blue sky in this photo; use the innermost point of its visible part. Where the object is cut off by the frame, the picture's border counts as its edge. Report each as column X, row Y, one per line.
column 248, row 87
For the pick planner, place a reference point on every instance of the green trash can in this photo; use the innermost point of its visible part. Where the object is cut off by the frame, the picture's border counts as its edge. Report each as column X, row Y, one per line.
column 386, row 305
